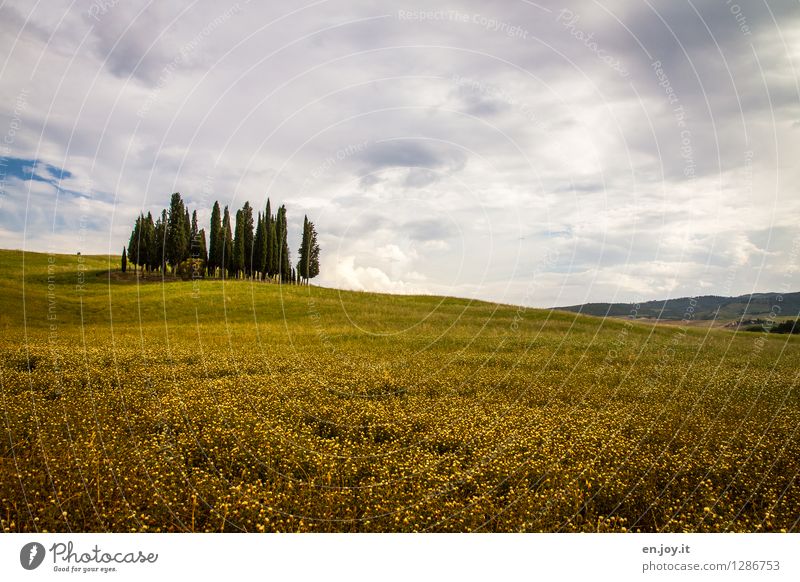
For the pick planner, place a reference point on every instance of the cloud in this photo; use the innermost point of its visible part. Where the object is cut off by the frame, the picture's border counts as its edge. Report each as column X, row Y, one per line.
column 439, row 155
column 355, row 277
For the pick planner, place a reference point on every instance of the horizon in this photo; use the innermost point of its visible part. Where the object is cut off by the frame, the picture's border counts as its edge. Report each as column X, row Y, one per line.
column 532, row 155
column 170, row 278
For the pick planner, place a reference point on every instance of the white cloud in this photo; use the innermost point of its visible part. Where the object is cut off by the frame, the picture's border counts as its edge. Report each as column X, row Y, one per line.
column 455, row 169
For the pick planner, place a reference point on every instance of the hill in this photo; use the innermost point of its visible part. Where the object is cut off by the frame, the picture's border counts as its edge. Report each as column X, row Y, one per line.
column 705, row 307
column 248, row 406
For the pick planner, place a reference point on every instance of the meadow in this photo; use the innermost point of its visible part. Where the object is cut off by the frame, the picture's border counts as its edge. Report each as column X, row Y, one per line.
column 239, row 406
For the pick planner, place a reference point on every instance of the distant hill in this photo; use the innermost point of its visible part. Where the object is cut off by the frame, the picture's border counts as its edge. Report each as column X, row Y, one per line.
column 705, row 307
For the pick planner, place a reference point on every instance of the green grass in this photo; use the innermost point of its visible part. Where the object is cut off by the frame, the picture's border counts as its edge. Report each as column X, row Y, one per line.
column 242, row 406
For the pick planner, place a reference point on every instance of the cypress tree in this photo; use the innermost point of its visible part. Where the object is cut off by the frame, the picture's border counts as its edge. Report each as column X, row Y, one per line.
column 226, row 244
column 308, row 265
column 214, row 234
column 259, row 248
column 148, row 241
column 202, row 251
column 161, row 242
column 193, row 231
column 302, row 262
column 284, row 267
column 133, row 243
column 237, row 260
column 247, row 239
column 187, row 227
column 178, row 232
column 313, row 252
column 124, row 260
column 272, row 248
column 270, row 252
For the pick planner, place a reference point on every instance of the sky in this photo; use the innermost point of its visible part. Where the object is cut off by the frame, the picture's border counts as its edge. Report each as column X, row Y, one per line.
column 539, row 154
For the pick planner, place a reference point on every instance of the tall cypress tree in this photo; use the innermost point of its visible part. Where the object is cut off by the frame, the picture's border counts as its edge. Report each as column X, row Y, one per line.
column 272, row 249
column 133, row 243
column 213, row 250
column 161, row 228
column 259, row 248
column 124, row 260
column 202, row 251
column 187, row 227
column 247, row 238
column 147, row 244
column 193, row 231
column 226, row 244
column 269, row 252
column 313, row 252
column 238, row 244
column 302, row 261
column 178, row 232
column 308, row 265
column 284, row 266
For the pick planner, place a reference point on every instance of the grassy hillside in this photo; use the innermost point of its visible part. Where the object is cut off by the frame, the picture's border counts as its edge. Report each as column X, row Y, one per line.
column 239, row 406
column 782, row 306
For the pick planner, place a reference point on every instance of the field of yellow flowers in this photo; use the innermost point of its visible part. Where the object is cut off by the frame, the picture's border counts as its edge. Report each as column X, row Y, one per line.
column 238, row 406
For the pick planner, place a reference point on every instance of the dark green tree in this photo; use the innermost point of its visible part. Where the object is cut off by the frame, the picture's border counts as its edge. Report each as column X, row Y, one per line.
column 202, row 249
column 272, row 248
column 133, row 243
column 178, row 232
column 226, row 244
column 284, row 266
column 308, row 265
column 237, row 260
column 187, row 227
column 160, row 246
column 269, row 253
column 124, row 260
column 214, row 240
column 148, row 242
column 259, row 248
column 247, row 239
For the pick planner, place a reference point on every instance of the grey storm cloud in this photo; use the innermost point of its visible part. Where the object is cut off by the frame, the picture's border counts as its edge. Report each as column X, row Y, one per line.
column 646, row 145
column 409, row 153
